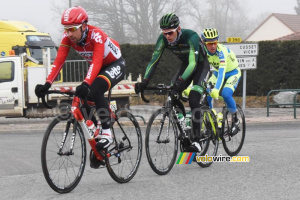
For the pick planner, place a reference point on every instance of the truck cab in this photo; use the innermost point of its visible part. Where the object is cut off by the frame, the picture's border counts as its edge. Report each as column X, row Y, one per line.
column 18, row 37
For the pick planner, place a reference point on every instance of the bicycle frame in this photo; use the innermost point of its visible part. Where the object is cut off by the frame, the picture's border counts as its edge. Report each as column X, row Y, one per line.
column 170, row 105
column 79, row 119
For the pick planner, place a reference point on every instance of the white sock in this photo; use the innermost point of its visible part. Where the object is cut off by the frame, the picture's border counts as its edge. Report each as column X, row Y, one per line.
column 106, row 132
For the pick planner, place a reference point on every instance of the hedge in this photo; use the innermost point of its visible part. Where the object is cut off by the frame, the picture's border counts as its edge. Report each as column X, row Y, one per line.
column 278, row 66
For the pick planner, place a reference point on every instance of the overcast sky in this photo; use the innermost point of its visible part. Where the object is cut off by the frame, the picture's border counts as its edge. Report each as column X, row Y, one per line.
column 39, row 13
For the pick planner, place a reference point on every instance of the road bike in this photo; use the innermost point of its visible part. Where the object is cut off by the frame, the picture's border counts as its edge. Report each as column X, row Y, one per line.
column 63, row 152
column 161, row 141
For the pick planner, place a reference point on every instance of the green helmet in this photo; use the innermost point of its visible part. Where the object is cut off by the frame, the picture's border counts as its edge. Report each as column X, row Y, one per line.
column 169, row 21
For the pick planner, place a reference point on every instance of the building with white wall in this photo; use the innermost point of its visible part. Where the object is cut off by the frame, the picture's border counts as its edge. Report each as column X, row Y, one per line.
column 275, row 26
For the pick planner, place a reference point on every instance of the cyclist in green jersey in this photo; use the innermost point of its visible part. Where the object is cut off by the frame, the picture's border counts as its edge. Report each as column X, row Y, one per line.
column 187, row 46
column 226, row 73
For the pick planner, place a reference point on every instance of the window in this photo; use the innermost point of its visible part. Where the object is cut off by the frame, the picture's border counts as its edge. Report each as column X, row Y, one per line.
column 6, row 71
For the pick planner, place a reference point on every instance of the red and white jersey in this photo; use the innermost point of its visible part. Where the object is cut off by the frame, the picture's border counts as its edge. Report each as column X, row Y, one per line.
column 99, row 50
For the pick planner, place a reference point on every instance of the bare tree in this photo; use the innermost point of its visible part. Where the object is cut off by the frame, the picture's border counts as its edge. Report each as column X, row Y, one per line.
column 297, row 8
column 131, row 21
column 225, row 15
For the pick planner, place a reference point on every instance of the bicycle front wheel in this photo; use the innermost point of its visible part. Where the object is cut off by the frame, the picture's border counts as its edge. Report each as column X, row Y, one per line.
column 126, row 148
column 233, row 142
column 209, row 141
column 63, row 154
column 161, row 141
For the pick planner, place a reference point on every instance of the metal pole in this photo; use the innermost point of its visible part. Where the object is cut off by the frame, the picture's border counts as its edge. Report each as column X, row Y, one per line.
column 244, row 88
column 70, row 3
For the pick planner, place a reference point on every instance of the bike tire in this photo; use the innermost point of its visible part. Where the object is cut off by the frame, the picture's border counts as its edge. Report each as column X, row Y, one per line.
column 123, row 166
column 63, row 172
column 210, row 139
column 233, row 143
column 162, row 153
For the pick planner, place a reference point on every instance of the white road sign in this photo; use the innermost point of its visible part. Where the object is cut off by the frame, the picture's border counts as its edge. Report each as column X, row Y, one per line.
column 247, row 62
column 244, row 49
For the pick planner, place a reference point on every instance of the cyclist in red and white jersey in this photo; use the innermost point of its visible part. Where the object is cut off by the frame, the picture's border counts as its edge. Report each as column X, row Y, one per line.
column 107, row 66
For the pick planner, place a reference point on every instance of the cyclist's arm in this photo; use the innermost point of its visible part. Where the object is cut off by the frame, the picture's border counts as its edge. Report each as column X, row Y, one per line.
column 159, row 49
column 193, row 56
column 59, row 61
column 222, row 68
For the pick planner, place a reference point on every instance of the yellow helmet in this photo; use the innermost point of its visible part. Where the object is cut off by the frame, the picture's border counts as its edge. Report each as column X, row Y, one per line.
column 209, row 34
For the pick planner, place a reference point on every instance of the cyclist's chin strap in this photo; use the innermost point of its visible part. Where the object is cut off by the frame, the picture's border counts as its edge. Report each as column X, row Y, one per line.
column 83, row 37
column 175, row 41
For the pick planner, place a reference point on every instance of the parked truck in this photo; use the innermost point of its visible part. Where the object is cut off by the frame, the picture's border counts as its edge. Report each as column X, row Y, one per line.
column 17, row 96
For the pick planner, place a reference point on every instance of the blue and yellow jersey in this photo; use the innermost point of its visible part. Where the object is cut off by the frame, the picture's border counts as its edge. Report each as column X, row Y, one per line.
column 223, row 61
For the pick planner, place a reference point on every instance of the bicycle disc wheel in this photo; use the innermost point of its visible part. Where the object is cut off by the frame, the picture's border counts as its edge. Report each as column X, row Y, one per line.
column 127, row 147
column 63, row 169
column 161, row 141
column 233, row 143
column 209, row 141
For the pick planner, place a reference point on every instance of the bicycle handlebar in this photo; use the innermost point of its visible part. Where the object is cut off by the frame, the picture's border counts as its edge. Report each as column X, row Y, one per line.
column 160, row 87
column 67, row 92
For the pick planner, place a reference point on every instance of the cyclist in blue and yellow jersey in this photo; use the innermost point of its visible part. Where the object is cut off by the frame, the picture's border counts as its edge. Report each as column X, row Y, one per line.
column 187, row 46
column 226, row 73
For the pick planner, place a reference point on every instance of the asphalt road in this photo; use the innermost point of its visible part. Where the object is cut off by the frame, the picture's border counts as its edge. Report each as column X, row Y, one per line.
column 272, row 173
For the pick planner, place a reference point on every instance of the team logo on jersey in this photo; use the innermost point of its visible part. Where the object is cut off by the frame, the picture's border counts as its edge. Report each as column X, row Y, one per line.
column 88, row 76
column 220, row 54
column 52, row 66
column 113, row 47
column 97, row 37
column 115, row 71
column 88, row 55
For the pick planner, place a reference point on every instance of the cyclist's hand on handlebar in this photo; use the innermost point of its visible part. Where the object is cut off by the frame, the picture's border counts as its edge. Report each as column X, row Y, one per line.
column 139, row 87
column 214, row 93
column 40, row 90
column 178, row 86
column 82, row 90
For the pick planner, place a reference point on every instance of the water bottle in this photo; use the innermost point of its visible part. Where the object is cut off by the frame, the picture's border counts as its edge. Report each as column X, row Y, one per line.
column 219, row 119
column 188, row 118
column 113, row 106
column 181, row 120
column 91, row 127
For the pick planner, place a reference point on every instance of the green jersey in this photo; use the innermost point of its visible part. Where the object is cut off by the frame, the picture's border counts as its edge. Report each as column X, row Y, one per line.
column 188, row 48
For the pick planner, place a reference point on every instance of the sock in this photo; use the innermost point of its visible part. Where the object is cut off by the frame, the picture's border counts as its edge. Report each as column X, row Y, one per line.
column 106, row 132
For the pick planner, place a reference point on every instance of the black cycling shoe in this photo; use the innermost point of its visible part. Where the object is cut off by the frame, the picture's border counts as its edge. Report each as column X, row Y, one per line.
column 94, row 162
column 235, row 127
column 194, row 147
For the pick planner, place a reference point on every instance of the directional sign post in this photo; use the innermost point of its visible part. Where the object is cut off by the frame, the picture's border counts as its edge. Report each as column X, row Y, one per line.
column 247, row 62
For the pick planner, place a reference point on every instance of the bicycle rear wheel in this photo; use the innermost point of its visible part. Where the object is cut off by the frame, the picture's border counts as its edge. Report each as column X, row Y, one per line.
column 161, row 141
column 209, row 141
column 233, row 143
column 62, row 167
column 127, row 147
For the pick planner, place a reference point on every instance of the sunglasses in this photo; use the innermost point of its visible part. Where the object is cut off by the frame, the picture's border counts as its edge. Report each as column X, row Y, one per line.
column 170, row 32
column 73, row 28
column 211, row 43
